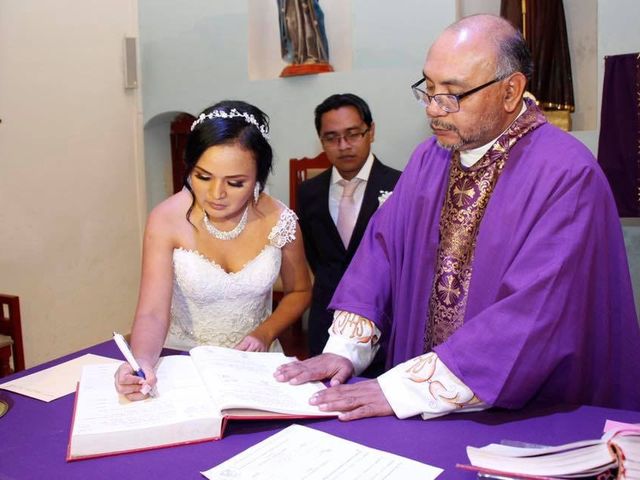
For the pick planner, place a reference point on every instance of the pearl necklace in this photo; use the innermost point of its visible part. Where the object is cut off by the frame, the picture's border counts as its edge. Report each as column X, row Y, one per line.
column 231, row 234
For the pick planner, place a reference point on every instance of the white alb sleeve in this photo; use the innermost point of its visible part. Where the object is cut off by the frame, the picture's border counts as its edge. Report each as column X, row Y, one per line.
column 353, row 337
column 424, row 385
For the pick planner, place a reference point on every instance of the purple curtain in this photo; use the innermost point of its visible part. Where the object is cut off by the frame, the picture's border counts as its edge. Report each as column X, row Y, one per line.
column 619, row 144
column 545, row 31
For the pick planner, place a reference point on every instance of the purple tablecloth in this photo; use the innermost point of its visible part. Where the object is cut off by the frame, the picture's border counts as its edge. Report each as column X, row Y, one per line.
column 34, row 436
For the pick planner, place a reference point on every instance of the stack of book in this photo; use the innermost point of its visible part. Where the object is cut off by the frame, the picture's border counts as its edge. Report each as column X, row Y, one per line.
column 614, row 456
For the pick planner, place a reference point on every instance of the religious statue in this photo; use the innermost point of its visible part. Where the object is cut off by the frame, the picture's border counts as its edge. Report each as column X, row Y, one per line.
column 303, row 39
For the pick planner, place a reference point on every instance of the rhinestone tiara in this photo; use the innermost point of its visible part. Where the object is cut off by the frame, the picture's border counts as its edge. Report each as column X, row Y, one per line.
column 233, row 113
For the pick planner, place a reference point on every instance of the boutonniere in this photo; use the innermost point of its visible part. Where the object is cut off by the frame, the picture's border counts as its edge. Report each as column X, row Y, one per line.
column 384, row 195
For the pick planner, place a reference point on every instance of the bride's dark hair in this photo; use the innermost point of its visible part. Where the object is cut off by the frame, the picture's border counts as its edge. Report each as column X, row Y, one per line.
column 237, row 130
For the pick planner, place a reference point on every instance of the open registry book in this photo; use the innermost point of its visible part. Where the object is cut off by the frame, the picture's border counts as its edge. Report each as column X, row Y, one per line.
column 196, row 394
column 615, row 455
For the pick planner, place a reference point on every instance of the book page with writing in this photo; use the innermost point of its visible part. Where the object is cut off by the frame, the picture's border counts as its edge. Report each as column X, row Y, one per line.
column 106, row 422
column 244, row 380
column 302, row 453
column 57, row 381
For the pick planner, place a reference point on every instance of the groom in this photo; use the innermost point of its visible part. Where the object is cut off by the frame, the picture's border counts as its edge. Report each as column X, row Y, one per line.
column 335, row 206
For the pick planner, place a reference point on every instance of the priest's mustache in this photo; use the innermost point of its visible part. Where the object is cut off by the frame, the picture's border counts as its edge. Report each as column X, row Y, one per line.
column 437, row 124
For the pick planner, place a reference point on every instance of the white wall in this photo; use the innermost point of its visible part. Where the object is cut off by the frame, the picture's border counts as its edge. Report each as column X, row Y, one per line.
column 70, row 185
column 197, row 53
column 202, row 55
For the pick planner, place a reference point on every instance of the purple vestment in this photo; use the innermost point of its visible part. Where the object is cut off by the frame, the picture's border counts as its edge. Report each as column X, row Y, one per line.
column 550, row 315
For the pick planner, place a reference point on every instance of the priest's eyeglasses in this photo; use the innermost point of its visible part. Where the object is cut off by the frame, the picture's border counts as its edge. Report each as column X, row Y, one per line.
column 350, row 136
column 448, row 102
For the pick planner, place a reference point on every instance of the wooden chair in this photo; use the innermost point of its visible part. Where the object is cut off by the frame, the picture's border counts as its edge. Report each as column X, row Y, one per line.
column 301, row 169
column 294, row 340
column 10, row 335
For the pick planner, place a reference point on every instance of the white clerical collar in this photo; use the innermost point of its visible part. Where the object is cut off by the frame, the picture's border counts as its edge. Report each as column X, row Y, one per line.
column 363, row 174
column 469, row 158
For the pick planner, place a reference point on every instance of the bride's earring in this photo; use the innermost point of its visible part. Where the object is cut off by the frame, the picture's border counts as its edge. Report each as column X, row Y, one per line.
column 256, row 192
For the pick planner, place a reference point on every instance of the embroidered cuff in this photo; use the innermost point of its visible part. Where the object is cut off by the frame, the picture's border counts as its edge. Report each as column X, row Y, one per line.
column 353, row 337
column 424, row 385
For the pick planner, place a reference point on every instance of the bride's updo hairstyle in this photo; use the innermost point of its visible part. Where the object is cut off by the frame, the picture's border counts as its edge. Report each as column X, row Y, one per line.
column 229, row 122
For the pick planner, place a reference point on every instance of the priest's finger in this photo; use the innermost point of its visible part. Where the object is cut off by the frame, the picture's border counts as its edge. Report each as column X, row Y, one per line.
column 289, row 370
column 343, row 371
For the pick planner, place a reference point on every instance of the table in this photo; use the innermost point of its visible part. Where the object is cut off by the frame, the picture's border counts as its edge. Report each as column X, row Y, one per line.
column 34, row 437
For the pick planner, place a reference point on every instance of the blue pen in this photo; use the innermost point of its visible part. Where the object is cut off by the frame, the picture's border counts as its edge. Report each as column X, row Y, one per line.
column 126, row 351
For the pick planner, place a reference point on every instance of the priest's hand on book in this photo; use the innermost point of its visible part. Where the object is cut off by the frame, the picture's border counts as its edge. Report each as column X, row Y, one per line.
column 359, row 400
column 327, row 366
column 132, row 386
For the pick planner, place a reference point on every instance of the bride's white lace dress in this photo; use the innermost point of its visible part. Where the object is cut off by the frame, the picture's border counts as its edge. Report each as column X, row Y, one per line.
column 213, row 307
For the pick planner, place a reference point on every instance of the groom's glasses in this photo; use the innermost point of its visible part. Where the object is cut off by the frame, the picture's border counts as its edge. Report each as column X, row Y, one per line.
column 350, row 136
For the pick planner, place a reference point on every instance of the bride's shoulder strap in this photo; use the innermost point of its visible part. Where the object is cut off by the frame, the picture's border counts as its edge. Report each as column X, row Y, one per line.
column 284, row 231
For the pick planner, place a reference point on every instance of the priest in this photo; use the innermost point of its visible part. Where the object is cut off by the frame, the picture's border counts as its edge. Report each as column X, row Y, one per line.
column 496, row 273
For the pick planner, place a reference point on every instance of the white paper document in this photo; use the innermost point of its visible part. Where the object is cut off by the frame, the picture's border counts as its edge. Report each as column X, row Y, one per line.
column 302, row 453
column 57, row 381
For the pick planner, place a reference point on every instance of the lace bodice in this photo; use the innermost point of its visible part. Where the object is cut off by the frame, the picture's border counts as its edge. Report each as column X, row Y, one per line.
column 213, row 307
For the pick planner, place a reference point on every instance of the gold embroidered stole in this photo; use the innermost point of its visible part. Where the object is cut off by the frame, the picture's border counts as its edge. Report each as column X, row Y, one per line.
column 468, row 194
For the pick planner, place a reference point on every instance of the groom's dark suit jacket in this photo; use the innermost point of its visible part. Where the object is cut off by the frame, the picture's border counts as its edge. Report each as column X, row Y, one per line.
column 325, row 251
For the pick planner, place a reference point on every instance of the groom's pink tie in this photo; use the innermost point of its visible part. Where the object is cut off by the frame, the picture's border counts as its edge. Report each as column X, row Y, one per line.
column 347, row 210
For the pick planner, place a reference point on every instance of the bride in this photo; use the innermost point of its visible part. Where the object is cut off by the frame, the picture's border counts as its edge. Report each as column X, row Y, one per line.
column 213, row 251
